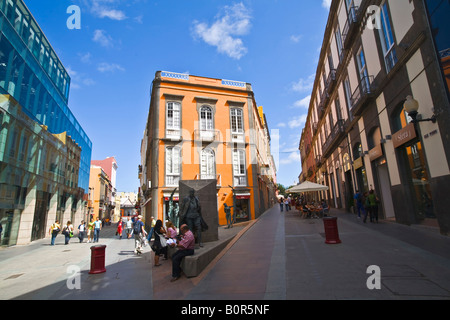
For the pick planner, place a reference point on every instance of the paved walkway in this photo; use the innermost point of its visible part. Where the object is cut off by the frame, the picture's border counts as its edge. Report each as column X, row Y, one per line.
column 277, row 257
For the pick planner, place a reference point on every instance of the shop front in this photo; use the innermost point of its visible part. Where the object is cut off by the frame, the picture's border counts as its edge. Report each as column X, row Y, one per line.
column 171, row 207
column 242, row 212
column 413, row 160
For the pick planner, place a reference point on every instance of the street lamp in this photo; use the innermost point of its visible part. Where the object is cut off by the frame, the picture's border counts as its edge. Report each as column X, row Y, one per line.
column 411, row 107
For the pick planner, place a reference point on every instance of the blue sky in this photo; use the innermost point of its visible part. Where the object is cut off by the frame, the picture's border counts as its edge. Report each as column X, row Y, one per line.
column 112, row 60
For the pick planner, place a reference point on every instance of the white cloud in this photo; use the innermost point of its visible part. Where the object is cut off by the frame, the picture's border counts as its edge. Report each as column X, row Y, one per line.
column 101, row 37
column 326, row 4
column 85, row 58
column 225, row 30
column 78, row 79
column 109, row 67
column 303, row 103
column 303, row 85
column 296, row 38
column 297, row 122
column 291, row 158
column 112, row 14
column 281, row 125
column 102, row 9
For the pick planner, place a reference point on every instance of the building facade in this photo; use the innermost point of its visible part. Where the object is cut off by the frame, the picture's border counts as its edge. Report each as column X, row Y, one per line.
column 205, row 128
column 101, row 203
column 358, row 135
column 109, row 203
column 44, row 152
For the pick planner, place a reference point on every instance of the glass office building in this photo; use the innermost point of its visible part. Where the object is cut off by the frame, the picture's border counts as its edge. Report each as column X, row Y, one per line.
column 36, row 84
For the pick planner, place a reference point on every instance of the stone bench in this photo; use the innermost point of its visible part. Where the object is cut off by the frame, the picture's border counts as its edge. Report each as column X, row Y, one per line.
column 193, row 265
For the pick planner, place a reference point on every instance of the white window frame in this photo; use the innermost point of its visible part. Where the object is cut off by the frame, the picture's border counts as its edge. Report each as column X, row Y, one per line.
column 173, row 119
column 387, row 38
column 362, row 71
column 173, row 166
column 237, row 120
column 208, row 164
column 239, row 168
column 206, row 118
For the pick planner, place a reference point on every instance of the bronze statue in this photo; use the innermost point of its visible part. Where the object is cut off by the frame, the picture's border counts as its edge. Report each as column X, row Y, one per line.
column 172, row 214
column 191, row 214
column 228, row 216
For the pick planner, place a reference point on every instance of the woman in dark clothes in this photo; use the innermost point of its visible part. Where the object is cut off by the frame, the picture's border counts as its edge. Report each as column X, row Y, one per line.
column 157, row 247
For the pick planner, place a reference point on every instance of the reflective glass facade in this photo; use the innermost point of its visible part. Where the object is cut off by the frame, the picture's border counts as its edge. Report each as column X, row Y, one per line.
column 33, row 75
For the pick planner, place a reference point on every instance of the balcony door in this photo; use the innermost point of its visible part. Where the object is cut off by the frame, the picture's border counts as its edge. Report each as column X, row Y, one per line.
column 363, row 74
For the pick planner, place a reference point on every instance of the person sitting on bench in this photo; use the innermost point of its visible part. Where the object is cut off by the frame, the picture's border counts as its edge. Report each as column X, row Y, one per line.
column 185, row 248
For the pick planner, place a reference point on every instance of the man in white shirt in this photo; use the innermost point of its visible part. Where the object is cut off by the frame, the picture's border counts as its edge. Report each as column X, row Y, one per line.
column 97, row 228
column 129, row 227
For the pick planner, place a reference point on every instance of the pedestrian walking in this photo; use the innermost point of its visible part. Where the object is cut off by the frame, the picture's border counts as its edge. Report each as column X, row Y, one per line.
column 286, row 204
column 67, row 232
column 152, row 226
column 373, row 205
column 359, row 204
column 129, row 227
column 90, row 231
column 185, row 248
column 281, row 204
column 82, row 231
column 97, row 229
column 119, row 229
column 139, row 235
column 54, row 230
column 160, row 244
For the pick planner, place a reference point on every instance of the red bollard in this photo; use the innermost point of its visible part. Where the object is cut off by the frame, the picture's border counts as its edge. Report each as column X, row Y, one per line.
column 97, row 259
column 331, row 230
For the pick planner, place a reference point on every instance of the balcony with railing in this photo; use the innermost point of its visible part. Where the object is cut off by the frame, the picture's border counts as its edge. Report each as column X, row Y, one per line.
column 351, row 26
column 204, row 176
column 331, row 81
column 336, row 133
column 324, row 97
column 362, row 95
column 207, row 135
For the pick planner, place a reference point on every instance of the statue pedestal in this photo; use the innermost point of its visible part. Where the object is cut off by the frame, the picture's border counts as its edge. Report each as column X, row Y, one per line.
column 206, row 192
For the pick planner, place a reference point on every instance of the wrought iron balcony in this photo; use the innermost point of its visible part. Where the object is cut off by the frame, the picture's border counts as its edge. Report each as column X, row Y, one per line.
column 351, row 25
column 331, row 81
column 337, row 132
column 360, row 96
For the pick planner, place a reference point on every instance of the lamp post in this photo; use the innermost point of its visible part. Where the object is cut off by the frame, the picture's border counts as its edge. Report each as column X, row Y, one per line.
column 412, row 107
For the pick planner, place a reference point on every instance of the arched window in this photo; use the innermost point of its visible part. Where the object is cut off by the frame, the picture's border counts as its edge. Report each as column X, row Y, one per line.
column 206, row 119
column 357, row 151
column 237, row 121
column 374, row 138
column 173, row 115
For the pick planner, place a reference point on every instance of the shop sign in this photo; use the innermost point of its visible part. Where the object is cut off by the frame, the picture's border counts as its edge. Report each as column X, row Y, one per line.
column 404, row 135
column 243, row 196
column 375, row 153
column 346, row 162
column 358, row 163
column 174, row 198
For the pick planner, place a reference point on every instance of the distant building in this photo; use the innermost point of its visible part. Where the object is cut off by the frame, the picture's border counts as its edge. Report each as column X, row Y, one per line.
column 100, row 194
column 109, row 166
column 358, row 133
column 44, row 152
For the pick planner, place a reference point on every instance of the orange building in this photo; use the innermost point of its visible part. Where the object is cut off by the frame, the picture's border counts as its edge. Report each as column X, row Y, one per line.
column 205, row 128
